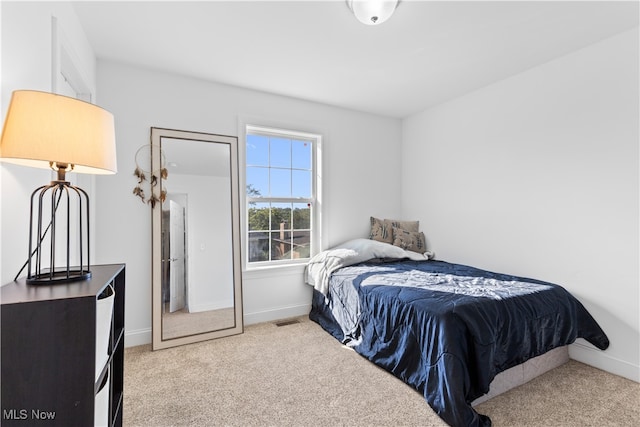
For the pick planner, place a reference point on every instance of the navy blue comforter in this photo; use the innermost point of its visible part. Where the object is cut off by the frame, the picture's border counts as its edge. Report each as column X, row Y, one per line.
column 449, row 329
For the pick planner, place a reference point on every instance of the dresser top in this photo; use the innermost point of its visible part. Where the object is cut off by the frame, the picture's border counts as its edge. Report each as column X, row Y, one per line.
column 19, row 292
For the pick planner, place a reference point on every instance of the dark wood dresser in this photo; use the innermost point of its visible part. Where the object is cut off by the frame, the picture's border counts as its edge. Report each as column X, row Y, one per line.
column 62, row 351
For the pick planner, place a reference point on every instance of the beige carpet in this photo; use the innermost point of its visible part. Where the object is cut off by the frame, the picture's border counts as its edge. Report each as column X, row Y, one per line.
column 298, row 375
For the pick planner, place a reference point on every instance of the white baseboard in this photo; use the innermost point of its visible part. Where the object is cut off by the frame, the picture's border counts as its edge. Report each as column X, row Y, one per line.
column 598, row 359
column 137, row 337
column 276, row 314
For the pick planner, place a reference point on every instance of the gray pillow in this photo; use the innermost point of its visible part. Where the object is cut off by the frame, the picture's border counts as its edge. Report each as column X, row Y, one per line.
column 405, row 225
column 382, row 229
column 409, row 240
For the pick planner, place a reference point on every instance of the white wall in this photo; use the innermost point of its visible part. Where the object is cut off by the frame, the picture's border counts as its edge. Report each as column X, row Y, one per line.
column 28, row 49
column 361, row 176
column 537, row 175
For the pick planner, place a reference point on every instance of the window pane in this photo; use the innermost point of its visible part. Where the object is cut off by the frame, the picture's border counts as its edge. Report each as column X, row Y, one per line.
column 280, row 182
column 259, row 216
column 280, row 152
column 257, row 150
column 301, row 154
column 301, row 244
column 280, row 245
column 301, row 185
column 301, row 216
column 281, row 216
column 257, row 182
column 258, row 247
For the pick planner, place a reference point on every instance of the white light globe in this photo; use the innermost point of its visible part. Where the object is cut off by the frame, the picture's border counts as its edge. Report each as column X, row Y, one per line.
column 372, row 12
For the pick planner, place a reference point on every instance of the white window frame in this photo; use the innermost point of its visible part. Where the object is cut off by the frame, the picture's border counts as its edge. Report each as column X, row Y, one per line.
column 314, row 200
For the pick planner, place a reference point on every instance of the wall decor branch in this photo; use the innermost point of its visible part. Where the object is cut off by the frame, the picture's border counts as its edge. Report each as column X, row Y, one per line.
column 144, row 169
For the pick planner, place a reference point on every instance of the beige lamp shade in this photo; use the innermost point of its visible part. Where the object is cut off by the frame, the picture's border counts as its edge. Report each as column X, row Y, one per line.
column 42, row 127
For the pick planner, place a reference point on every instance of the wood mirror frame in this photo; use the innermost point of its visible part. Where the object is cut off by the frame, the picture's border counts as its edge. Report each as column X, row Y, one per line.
column 199, row 296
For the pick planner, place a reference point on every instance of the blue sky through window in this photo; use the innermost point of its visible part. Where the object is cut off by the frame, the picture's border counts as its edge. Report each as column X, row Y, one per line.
column 278, row 166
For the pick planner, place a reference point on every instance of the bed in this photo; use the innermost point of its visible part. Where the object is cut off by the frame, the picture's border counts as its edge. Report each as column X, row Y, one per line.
column 445, row 329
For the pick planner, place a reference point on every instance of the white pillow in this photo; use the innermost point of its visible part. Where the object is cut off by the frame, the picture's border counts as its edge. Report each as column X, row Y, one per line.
column 370, row 249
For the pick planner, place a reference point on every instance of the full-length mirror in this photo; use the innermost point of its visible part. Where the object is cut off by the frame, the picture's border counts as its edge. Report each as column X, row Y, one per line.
column 196, row 237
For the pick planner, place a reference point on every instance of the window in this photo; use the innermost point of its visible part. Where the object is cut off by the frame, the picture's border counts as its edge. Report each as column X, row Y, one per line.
column 281, row 205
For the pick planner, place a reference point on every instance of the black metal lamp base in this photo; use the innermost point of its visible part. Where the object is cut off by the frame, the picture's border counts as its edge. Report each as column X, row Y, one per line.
column 61, row 276
column 51, row 249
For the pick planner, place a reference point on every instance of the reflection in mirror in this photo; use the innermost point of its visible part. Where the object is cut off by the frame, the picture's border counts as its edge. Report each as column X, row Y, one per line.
column 197, row 289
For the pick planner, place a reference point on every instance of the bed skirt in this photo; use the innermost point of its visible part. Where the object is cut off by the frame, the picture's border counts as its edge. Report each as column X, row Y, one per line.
column 525, row 372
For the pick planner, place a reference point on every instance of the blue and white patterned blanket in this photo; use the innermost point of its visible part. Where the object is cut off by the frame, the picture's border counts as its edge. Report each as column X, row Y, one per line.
column 448, row 329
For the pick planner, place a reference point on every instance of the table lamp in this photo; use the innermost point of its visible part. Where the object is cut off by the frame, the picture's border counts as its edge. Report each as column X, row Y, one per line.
column 46, row 130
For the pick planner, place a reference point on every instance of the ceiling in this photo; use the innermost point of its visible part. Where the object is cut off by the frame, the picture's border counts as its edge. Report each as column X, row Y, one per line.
column 428, row 52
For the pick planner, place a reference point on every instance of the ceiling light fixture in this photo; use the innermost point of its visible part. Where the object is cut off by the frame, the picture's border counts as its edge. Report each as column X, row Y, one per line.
column 372, row 12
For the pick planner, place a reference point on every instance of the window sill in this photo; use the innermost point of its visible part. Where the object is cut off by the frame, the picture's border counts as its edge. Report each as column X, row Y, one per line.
column 274, row 270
